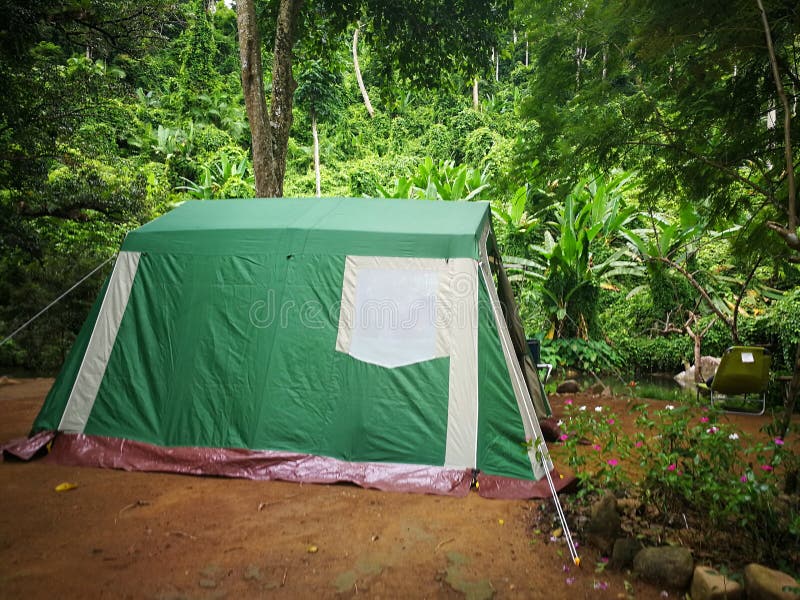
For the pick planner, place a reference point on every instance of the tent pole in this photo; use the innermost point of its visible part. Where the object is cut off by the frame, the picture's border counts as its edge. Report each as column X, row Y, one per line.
column 573, row 552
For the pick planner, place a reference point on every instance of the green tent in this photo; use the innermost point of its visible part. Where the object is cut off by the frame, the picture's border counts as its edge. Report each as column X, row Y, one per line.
column 307, row 339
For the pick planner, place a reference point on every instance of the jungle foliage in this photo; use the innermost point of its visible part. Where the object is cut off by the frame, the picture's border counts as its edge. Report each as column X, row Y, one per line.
column 635, row 166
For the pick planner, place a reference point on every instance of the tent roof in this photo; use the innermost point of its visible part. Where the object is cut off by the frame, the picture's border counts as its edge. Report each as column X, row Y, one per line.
column 355, row 226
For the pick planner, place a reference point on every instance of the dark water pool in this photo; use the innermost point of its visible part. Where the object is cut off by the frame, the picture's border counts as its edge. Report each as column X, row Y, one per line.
column 655, row 386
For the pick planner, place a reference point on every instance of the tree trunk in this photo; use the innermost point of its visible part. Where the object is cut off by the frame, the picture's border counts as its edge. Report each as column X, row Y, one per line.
column 476, row 104
column 315, row 137
column 269, row 133
column 792, row 394
column 527, row 52
column 283, row 87
column 580, row 54
column 361, row 85
column 255, row 103
column 697, row 338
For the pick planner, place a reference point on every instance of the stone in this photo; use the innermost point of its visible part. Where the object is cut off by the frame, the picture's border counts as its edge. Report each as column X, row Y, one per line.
column 623, row 553
column 597, row 389
column 568, row 386
column 709, row 584
column 762, row 583
column 604, row 524
column 550, row 429
column 708, row 368
column 667, row 566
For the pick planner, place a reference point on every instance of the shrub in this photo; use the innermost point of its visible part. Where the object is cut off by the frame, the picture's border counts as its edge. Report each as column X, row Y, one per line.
column 665, row 354
column 591, row 356
column 692, row 472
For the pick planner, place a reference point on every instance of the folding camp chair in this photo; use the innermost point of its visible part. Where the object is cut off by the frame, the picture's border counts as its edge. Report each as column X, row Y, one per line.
column 742, row 372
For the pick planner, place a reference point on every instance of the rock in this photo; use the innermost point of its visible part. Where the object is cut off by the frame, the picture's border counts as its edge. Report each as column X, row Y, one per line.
column 568, row 386
column 550, row 429
column 597, row 389
column 604, row 524
column 668, row 566
column 708, row 368
column 762, row 583
column 629, row 505
column 625, row 549
column 708, row 584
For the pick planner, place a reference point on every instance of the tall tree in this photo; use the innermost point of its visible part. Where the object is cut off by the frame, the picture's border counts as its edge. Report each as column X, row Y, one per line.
column 319, row 92
column 666, row 84
column 269, row 131
column 458, row 34
column 359, row 78
column 702, row 97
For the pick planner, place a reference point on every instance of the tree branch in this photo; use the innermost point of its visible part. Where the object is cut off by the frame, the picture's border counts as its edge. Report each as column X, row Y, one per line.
column 787, row 126
column 700, row 290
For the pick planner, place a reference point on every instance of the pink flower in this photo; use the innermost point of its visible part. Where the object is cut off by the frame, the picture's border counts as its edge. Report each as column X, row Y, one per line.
column 613, row 462
column 704, row 419
column 600, row 585
column 743, row 478
column 568, row 401
column 611, row 421
column 639, row 444
column 563, row 437
column 766, row 468
column 570, row 580
column 672, row 467
column 596, row 448
column 778, row 442
column 712, row 430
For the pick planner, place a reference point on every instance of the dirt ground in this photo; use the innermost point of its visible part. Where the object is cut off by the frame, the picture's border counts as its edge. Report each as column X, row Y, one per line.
column 159, row 536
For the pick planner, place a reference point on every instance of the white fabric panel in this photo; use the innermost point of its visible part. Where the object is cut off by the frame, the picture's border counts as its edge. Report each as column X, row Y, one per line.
column 434, row 306
column 394, row 323
column 373, row 293
column 93, row 367
column 461, row 295
column 529, row 421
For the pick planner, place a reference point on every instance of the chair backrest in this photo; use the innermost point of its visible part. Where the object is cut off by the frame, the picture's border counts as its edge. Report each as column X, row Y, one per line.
column 742, row 370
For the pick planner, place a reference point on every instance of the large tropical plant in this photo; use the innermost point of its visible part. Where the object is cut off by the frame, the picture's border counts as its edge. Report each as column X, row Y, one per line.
column 440, row 180
column 582, row 251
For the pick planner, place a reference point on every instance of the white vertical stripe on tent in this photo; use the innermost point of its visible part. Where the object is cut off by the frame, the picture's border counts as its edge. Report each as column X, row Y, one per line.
column 93, row 367
column 462, row 410
column 527, row 412
column 348, row 306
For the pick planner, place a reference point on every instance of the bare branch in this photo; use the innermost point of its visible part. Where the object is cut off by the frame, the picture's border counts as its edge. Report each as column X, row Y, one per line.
column 787, row 126
column 700, row 290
